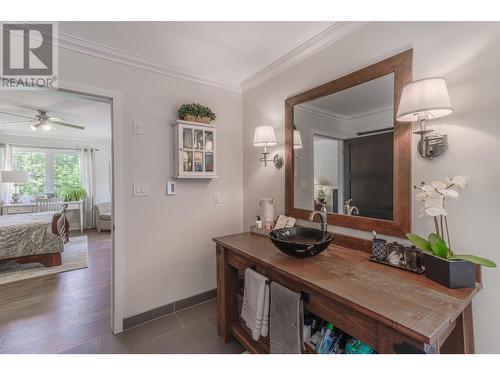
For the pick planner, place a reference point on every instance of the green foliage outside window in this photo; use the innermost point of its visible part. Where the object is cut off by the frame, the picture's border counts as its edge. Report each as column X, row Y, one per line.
column 65, row 168
column 35, row 163
column 66, row 173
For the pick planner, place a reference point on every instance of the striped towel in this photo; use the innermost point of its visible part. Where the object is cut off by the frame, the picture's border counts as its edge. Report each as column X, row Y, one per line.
column 255, row 308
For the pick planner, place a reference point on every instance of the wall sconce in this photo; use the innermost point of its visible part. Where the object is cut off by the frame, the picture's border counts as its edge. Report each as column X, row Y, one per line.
column 297, row 140
column 424, row 100
column 264, row 137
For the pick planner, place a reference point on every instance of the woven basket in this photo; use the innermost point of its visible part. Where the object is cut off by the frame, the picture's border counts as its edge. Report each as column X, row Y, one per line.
column 202, row 120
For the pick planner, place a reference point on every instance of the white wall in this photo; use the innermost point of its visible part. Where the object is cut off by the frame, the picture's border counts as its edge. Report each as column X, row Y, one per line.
column 168, row 250
column 467, row 55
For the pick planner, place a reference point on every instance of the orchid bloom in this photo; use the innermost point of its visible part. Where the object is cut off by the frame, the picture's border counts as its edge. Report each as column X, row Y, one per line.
column 433, row 195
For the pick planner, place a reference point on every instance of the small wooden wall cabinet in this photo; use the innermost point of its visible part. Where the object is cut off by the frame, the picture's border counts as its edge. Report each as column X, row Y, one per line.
column 393, row 311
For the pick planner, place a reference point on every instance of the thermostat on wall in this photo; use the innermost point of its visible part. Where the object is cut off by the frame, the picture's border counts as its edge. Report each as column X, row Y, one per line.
column 170, row 187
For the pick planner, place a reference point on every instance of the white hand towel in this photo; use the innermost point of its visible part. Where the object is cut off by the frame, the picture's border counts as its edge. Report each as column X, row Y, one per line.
column 255, row 309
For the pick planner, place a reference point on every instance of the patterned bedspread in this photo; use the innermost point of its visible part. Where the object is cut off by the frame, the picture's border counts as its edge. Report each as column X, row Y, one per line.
column 28, row 234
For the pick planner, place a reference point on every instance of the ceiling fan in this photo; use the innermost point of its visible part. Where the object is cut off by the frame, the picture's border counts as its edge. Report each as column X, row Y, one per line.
column 41, row 121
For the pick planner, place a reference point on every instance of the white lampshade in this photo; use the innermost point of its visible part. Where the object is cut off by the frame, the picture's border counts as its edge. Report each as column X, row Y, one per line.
column 15, row 176
column 426, row 98
column 264, row 136
column 297, row 140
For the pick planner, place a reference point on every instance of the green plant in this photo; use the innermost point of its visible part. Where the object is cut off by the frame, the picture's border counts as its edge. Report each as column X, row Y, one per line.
column 74, row 194
column 195, row 110
column 433, row 196
column 437, row 246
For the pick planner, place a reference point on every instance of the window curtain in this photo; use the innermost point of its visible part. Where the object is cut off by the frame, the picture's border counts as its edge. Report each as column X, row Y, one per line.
column 87, row 167
column 5, row 165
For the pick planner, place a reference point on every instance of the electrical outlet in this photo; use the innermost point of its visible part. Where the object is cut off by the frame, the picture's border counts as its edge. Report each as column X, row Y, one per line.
column 140, row 189
column 216, row 197
column 138, row 128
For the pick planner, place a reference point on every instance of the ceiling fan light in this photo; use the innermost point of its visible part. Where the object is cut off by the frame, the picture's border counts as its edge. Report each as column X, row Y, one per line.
column 34, row 127
column 47, row 127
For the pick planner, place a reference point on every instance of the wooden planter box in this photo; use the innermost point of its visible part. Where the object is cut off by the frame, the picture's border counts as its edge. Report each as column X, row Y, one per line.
column 450, row 273
column 201, row 120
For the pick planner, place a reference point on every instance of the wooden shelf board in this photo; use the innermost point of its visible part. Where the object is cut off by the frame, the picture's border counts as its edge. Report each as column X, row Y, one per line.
column 246, row 341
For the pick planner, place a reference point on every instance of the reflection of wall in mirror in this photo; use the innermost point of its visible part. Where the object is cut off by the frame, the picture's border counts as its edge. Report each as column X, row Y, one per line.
column 306, row 121
column 310, row 121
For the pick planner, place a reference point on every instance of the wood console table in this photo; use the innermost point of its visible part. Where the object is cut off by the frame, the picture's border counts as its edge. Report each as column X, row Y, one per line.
column 392, row 310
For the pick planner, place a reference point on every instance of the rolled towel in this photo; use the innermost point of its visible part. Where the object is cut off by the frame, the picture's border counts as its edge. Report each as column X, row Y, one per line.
column 255, row 308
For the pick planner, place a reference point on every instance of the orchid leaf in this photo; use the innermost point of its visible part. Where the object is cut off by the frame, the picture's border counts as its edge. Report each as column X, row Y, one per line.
column 419, row 242
column 438, row 246
column 474, row 259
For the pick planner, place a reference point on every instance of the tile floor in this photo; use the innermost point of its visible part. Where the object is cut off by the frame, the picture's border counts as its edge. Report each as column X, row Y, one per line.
column 190, row 331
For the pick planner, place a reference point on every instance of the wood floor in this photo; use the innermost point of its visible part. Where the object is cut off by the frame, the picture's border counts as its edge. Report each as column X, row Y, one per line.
column 70, row 313
column 53, row 313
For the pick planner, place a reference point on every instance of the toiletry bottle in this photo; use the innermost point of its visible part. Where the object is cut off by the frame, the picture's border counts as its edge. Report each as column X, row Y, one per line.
column 258, row 222
column 269, row 224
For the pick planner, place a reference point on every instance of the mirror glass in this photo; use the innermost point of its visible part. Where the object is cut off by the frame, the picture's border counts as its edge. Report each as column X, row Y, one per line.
column 344, row 157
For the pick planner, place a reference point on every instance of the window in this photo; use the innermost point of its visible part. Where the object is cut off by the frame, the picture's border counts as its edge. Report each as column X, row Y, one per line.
column 51, row 171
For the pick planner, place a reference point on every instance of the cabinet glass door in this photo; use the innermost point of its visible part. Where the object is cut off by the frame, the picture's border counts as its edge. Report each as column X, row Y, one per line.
column 187, row 164
column 209, row 141
column 187, row 138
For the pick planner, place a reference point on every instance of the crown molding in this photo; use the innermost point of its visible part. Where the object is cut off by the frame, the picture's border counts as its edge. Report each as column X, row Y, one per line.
column 372, row 112
column 78, row 45
column 325, row 113
column 325, row 38
column 322, row 40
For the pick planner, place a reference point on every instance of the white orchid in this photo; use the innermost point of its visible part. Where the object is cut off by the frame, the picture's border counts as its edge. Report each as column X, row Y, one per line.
column 433, row 196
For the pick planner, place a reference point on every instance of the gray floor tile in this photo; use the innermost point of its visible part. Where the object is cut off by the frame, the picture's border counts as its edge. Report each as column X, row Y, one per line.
column 147, row 331
column 90, row 347
column 215, row 345
column 197, row 312
column 182, row 340
column 113, row 344
column 212, row 320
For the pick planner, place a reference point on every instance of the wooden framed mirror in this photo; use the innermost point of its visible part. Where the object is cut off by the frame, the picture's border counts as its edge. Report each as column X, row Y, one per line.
column 345, row 149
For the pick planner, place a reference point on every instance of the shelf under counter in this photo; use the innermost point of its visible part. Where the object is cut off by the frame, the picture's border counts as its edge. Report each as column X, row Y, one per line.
column 384, row 307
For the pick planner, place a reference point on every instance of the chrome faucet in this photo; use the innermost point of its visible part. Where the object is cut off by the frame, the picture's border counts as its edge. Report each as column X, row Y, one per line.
column 349, row 209
column 323, row 216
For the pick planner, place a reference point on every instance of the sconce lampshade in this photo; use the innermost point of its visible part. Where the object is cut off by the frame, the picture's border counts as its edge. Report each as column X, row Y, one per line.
column 264, row 136
column 14, row 177
column 426, row 98
column 297, row 140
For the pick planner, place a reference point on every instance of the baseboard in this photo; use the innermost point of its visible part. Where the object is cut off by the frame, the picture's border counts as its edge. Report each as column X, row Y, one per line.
column 169, row 308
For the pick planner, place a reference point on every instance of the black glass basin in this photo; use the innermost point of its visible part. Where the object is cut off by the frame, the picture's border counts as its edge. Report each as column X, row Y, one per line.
column 301, row 242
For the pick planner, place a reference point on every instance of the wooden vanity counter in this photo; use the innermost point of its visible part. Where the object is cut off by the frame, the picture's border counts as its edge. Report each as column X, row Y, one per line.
column 390, row 309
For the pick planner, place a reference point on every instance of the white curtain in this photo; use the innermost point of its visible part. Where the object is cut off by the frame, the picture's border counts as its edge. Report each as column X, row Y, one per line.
column 87, row 167
column 5, row 165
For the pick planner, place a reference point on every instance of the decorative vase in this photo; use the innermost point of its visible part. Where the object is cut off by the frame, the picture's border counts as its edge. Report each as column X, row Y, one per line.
column 452, row 274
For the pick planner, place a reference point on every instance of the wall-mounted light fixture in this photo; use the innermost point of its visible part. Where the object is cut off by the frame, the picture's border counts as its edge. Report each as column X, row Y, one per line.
column 424, row 100
column 264, row 137
column 297, row 140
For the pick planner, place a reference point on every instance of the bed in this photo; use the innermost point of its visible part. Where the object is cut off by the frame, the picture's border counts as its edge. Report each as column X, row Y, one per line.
column 33, row 237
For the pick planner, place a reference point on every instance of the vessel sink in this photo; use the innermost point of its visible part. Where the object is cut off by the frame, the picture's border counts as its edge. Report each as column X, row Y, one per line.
column 301, row 242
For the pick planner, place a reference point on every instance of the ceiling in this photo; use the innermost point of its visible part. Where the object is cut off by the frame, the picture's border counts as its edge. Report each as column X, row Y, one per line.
column 92, row 113
column 367, row 97
column 226, row 51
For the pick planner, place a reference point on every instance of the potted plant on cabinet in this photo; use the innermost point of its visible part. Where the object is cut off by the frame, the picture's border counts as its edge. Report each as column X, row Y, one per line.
column 196, row 112
column 441, row 263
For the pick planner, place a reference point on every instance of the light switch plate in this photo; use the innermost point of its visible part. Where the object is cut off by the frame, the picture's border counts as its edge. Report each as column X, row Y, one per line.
column 216, row 197
column 170, row 187
column 138, row 128
column 140, row 189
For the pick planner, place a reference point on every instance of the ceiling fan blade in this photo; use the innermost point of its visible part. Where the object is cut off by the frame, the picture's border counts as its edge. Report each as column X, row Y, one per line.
column 69, row 125
column 15, row 114
column 18, row 123
column 55, row 119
